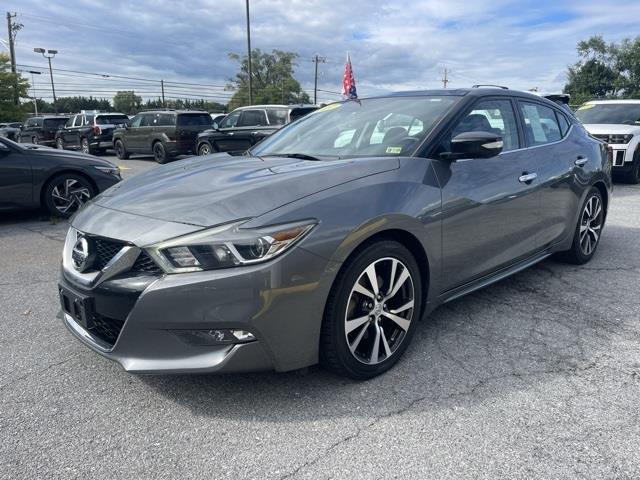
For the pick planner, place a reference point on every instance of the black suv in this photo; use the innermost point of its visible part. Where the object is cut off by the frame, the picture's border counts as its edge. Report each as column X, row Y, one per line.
column 246, row 126
column 41, row 130
column 90, row 132
column 164, row 133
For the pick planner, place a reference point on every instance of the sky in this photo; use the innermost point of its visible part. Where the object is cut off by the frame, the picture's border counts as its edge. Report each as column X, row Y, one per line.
column 394, row 45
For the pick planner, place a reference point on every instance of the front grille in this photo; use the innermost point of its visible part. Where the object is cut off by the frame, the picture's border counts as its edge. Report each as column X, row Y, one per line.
column 106, row 329
column 602, row 136
column 613, row 138
column 105, row 251
column 144, row 263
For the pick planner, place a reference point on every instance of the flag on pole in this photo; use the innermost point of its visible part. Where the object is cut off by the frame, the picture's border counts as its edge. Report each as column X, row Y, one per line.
column 348, row 82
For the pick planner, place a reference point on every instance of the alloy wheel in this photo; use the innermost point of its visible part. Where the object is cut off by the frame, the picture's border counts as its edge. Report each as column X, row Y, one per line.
column 34, row 140
column 69, row 194
column 205, row 149
column 379, row 310
column 591, row 225
column 85, row 145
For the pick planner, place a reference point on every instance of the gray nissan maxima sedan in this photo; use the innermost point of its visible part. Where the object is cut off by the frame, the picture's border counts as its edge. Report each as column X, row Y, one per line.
column 331, row 239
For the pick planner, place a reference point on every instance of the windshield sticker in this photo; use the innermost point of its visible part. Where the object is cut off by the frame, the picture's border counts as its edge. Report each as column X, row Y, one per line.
column 587, row 106
column 394, row 149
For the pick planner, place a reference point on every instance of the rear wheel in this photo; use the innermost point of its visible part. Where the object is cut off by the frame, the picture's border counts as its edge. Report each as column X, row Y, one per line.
column 66, row 193
column 160, row 153
column 84, row 146
column 372, row 311
column 588, row 231
column 121, row 151
column 34, row 140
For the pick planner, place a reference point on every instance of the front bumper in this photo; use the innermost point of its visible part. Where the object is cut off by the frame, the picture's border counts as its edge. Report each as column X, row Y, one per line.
column 280, row 302
column 622, row 157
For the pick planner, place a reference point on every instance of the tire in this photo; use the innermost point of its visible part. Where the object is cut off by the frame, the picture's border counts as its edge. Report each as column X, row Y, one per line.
column 588, row 229
column 353, row 320
column 633, row 177
column 59, row 144
column 121, row 151
column 160, row 154
column 67, row 192
column 34, row 140
column 84, row 146
column 205, row 149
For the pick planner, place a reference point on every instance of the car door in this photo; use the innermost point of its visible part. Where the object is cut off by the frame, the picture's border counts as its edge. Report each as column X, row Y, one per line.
column 248, row 130
column 552, row 157
column 16, row 185
column 486, row 210
column 225, row 137
column 134, row 134
column 145, row 132
column 63, row 134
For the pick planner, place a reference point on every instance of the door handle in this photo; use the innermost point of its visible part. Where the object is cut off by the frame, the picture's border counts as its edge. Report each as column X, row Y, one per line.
column 581, row 161
column 527, row 177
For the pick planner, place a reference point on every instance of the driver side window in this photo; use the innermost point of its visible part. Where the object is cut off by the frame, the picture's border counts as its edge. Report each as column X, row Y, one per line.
column 493, row 116
column 230, row 120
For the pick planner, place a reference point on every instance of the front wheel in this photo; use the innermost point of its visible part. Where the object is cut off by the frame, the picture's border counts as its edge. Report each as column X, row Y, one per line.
column 204, row 149
column 59, row 144
column 633, row 177
column 84, row 146
column 34, row 140
column 588, row 231
column 66, row 193
column 372, row 311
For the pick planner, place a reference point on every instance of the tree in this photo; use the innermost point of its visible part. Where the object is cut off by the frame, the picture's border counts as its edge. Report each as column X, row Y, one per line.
column 12, row 86
column 127, row 102
column 605, row 70
column 273, row 81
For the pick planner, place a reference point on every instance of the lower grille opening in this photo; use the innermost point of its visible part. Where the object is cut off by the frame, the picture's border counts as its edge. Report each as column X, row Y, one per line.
column 105, row 328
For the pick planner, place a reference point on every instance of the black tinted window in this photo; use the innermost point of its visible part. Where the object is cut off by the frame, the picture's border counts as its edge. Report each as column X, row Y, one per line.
column 540, row 124
column 194, row 119
column 252, row 118
column 111, row 119
column 54, row 123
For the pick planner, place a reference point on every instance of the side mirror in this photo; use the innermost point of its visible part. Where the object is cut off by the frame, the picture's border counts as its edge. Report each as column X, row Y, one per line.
column 474, row 145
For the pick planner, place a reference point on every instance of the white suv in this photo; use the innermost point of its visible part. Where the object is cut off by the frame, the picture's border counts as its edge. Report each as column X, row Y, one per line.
column 617, row 122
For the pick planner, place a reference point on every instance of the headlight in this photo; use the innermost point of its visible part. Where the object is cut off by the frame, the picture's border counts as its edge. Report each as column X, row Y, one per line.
column 110, row 170
column 227, row 246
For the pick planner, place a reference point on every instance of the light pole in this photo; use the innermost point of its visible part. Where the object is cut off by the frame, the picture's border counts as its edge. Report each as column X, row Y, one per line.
column 33, row 88
column 249, row 56
column 49, row 55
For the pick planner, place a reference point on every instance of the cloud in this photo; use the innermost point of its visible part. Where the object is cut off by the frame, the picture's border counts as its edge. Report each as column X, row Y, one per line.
column 393, row 45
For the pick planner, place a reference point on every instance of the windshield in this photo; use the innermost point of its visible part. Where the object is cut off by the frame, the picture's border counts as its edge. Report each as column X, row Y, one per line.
column 111, row 119
column 612, row 113
column 390, row 126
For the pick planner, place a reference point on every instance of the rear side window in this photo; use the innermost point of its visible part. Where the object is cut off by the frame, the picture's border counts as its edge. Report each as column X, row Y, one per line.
column 165, row 119
column 540, row 124
column 564, row 124
column 253, row 118
column 54, row 123
column 148, row 120
column 194, row 119
column 277, row 116
column 111, row 119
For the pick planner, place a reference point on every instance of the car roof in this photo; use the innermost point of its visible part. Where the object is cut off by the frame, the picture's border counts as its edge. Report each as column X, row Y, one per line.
column 475, row 92
column 169, row 110
column 599, row 102
column 289, row 107
column 49, row 117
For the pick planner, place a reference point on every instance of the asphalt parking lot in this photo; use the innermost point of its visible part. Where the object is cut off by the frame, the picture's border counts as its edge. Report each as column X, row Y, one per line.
column 537, row 376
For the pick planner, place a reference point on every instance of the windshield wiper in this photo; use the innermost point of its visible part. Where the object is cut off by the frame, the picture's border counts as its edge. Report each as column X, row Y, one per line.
column 301, row 156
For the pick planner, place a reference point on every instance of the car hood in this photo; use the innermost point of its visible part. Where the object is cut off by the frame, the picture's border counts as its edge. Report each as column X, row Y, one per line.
column 215, row 189
column 77, row 157
column 610, row 128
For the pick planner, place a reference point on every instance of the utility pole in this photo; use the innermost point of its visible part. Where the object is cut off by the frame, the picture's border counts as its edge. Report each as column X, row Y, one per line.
column 316, row 59
column 164, row 105
column 445, row 77
column 249, row 56
column 12, row 29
